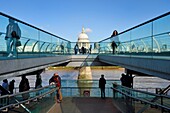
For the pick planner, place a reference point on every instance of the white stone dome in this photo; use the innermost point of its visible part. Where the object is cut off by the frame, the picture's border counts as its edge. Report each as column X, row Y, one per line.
column 83, row 35
column 83, row 40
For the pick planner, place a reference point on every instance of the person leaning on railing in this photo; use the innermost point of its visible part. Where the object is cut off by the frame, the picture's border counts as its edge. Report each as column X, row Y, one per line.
column 57, row 80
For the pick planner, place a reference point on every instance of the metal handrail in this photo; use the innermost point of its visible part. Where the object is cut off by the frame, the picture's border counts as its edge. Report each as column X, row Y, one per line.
column 34, row 90
column 149, row 93
column 5, row 15
column 168, row 13
column 33, row 98
column 143, row 100
column 21, row 102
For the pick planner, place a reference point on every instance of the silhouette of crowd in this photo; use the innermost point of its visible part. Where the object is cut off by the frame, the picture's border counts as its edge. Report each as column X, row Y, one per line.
column 126, row 80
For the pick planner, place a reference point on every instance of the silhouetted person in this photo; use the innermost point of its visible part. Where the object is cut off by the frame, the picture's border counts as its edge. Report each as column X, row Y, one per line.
column 102, row 83
column 4, row 91
column 62, row 48
column 130, row 81
column 11, row 86
column 68, row 48
column 114, row 46
column 123, row 80
column 24, row 86
column 127, row 80
column 5, row 86
column 38, row 83
column 90, row 49
column 83, row 50
column 75, row 49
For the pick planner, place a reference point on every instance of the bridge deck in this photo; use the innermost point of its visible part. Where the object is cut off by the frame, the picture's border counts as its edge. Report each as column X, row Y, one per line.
column 85, row 105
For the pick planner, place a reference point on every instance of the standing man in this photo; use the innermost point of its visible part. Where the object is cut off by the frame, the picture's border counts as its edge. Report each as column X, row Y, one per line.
column 102, row 83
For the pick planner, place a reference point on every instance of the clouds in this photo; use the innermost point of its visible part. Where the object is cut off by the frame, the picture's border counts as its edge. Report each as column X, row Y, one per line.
column 88, row 30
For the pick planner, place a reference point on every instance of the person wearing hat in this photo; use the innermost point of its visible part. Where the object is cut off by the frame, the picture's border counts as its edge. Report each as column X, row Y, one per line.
column 57, row 81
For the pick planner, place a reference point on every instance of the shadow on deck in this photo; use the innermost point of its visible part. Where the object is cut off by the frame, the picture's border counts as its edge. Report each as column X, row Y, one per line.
column 85, row 105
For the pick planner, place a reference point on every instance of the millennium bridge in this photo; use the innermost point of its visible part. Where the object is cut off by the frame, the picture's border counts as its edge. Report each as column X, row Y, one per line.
column 143, row 50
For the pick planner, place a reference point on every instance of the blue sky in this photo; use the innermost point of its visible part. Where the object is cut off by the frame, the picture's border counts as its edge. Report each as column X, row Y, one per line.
column 65, row 18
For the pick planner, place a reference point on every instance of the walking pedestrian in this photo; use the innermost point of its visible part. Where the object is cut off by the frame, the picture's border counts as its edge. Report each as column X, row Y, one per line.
column 13, row 34
column 114, row 46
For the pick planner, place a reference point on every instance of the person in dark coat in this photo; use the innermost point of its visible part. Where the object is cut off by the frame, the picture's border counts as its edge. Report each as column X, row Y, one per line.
column 83, row 50
column 11, row 86
column 5, row 87
column 123, row 80
column 75, row 49
column 38, row 83
column 114, row 46
column 90, row 49
column 127, row 80
column 102, row 83
column 24, row 86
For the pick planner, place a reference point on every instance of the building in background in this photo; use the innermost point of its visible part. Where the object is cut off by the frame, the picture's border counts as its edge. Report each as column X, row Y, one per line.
column 83, row 41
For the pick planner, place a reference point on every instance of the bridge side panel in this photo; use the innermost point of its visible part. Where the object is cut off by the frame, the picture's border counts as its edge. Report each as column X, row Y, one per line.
column 155, row 67
column 16, row 67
